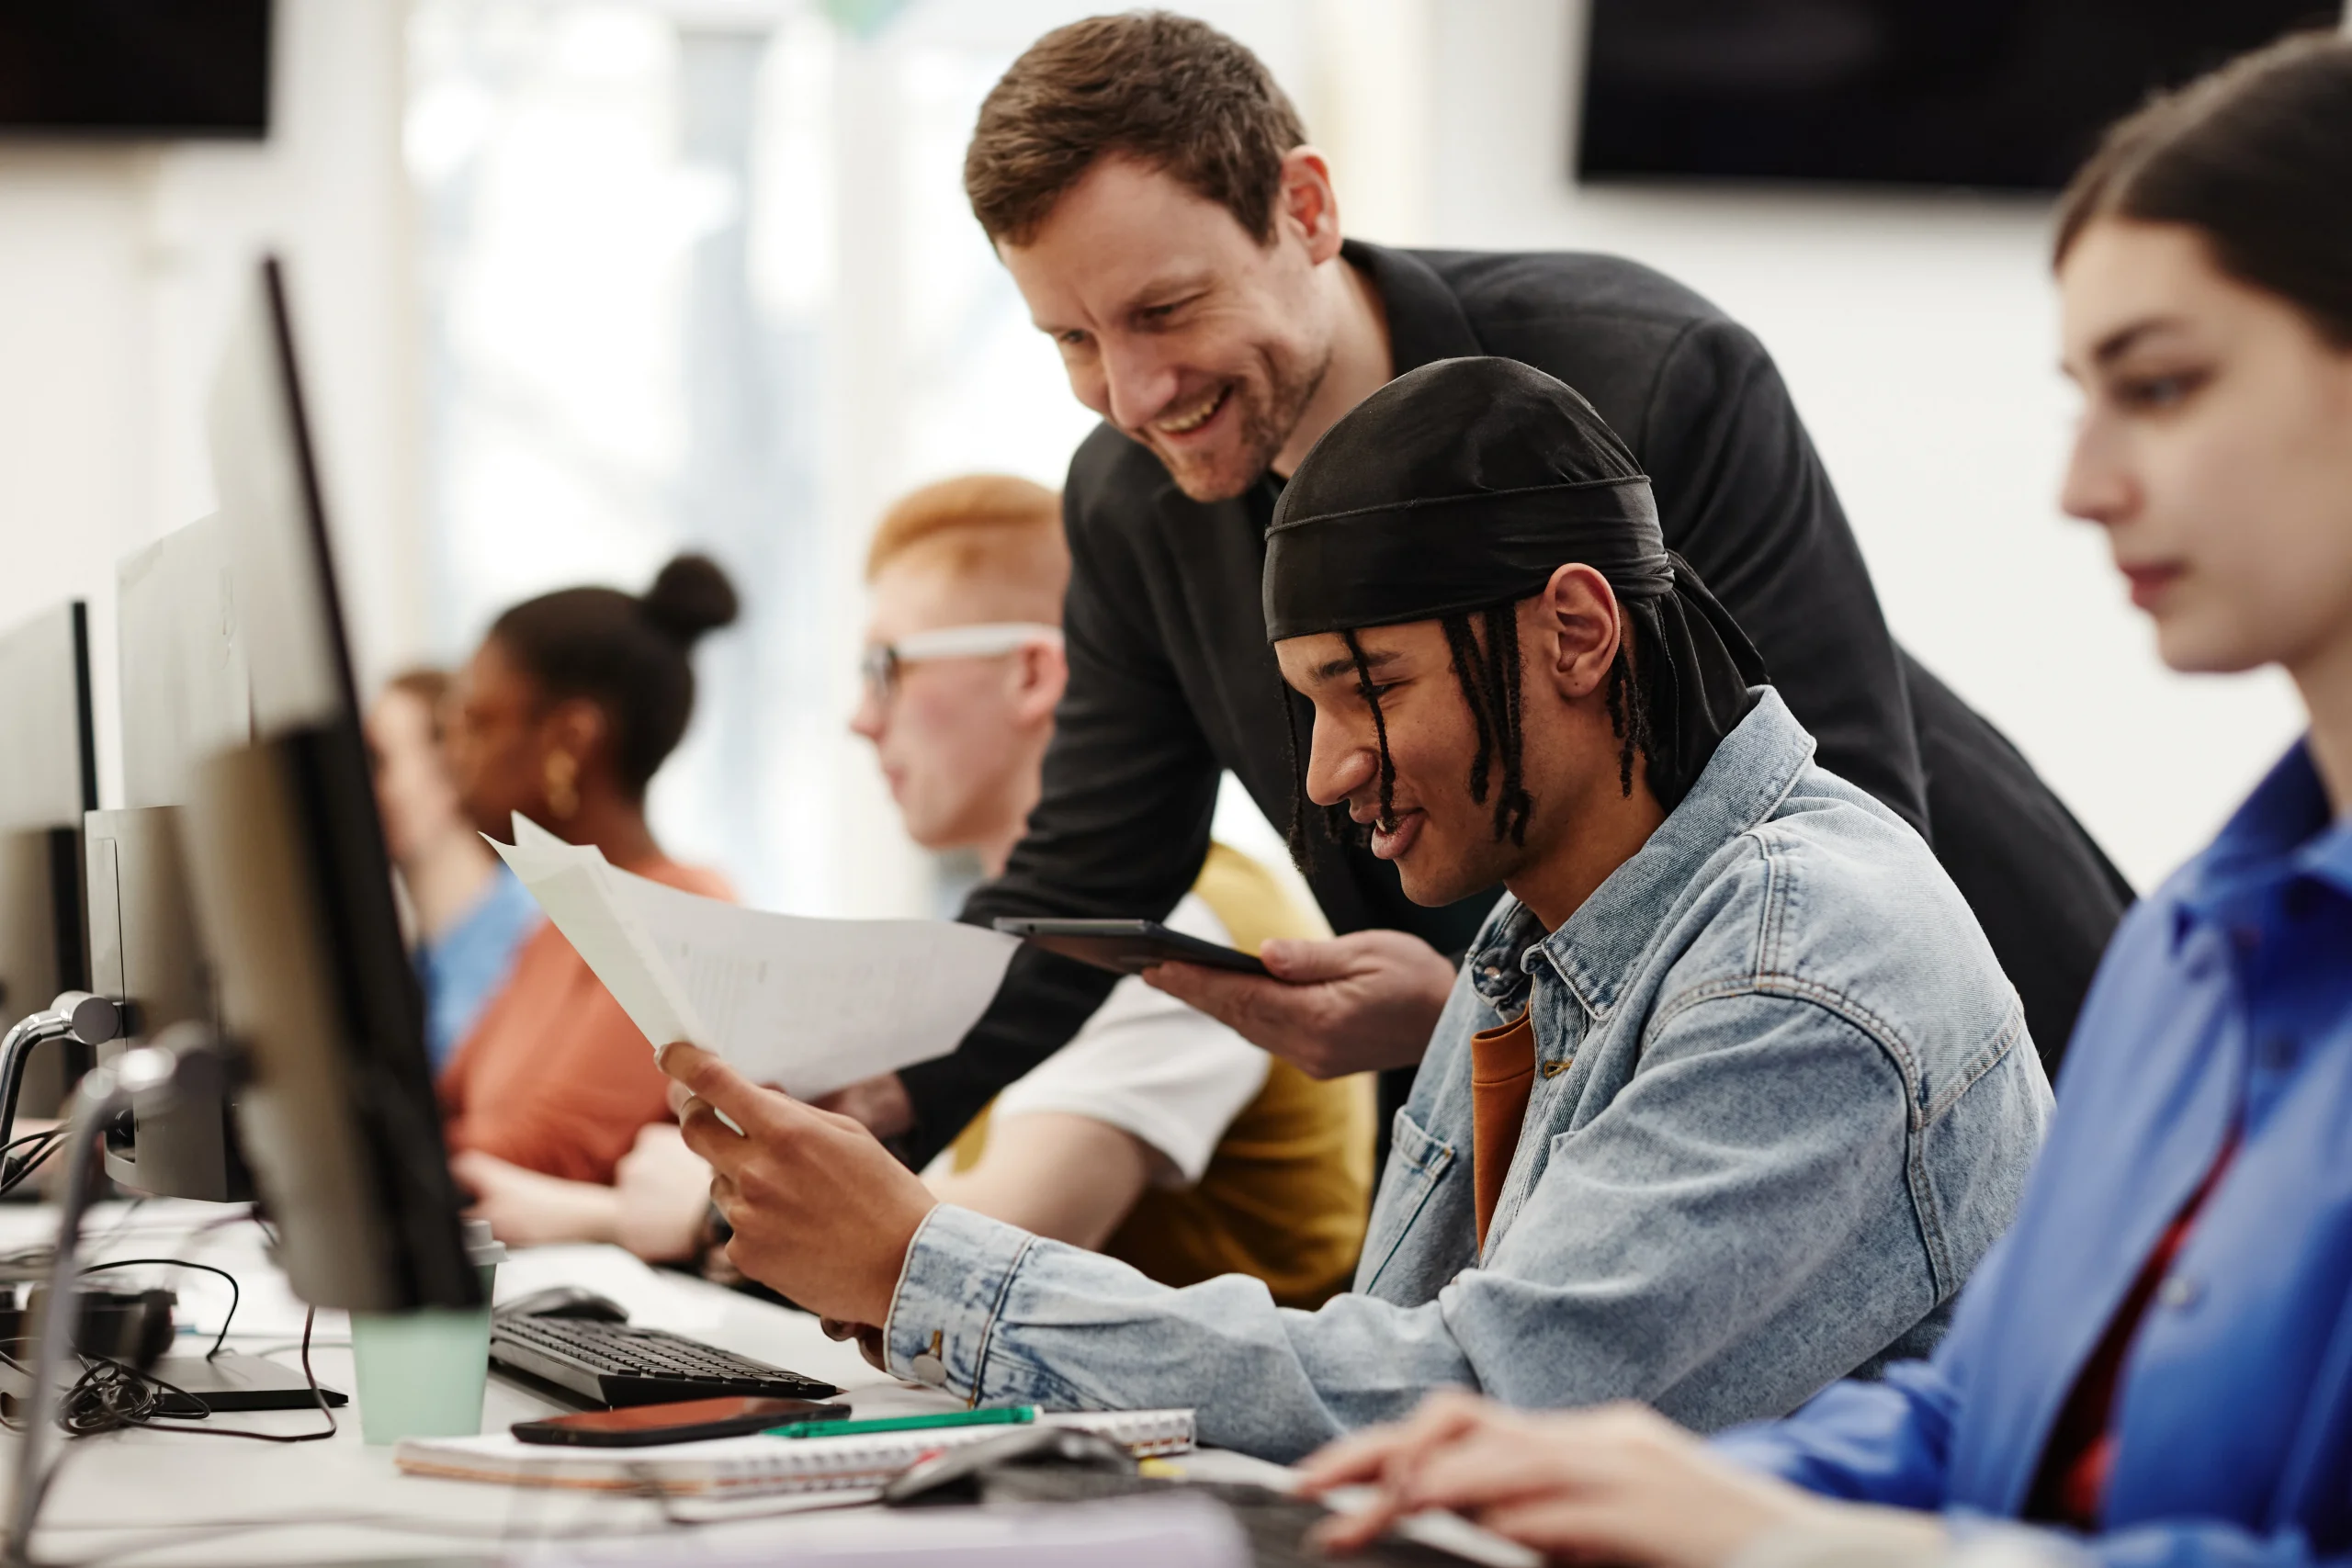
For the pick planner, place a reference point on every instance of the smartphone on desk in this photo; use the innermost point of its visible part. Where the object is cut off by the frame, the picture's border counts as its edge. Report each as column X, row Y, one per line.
column 686, row 1421
column 1127, row 946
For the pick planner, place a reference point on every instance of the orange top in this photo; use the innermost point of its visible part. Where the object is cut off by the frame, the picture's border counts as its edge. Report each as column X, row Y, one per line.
column 554, row 1075
column 1502, row 1073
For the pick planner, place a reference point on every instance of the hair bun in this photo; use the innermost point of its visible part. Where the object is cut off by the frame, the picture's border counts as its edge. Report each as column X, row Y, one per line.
column 690, row 597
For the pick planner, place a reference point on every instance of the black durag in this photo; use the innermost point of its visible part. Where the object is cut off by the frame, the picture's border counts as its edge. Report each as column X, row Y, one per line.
column 1464, row 485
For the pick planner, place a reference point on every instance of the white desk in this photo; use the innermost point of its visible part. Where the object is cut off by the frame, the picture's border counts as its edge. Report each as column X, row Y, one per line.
column 163, row 1497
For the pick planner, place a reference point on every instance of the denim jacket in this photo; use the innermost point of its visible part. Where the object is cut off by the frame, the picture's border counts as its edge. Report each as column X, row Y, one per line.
column 1785, row 1101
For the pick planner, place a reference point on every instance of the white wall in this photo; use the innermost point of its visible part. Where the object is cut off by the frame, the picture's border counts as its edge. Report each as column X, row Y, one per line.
column 1919, row 335
column 119, row 266
column 1916, row 331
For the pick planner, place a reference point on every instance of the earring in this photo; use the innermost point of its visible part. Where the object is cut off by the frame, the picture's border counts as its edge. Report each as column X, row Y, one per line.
column 562, row 781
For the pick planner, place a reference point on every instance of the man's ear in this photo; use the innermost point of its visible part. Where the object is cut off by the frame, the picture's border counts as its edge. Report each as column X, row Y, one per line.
column 1040, row 674
column 1306, row 203
column 1580, row 625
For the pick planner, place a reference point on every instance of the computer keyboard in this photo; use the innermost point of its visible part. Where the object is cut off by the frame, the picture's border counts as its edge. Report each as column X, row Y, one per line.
column 613, row 1363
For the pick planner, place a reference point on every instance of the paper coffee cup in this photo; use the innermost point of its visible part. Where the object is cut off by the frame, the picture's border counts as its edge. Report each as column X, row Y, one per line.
column 422, row 1374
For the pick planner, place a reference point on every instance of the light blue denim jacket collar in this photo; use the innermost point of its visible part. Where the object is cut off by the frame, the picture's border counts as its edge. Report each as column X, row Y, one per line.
column 1594, row 951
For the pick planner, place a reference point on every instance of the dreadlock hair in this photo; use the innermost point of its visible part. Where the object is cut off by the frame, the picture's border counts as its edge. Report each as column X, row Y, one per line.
column 1338, row 826
column 1490, row 687
column 1295, row 830
column 1371, row 695
column 1629, row 715
column 1490, row 681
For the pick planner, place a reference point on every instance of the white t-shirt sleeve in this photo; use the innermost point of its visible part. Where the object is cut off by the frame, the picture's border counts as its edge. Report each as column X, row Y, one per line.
column 1150, row 1065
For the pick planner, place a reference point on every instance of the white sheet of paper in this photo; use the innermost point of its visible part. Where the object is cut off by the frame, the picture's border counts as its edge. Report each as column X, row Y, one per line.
column 530, row 835
column 808, row 1005
column 574, row 886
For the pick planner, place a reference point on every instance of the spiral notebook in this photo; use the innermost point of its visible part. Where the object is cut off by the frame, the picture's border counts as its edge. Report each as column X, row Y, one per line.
column 738, row 1467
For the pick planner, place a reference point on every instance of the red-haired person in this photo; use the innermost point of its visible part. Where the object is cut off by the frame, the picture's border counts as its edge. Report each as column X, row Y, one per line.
column 1157, row 1135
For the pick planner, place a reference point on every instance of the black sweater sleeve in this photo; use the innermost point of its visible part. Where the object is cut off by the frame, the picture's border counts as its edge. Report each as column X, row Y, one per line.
column 1120, row 830
column 1741, row 492
column 1744, row 497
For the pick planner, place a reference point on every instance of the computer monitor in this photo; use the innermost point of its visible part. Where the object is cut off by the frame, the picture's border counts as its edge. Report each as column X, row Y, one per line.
column 49, row 781
column 186, row 694
column 293, row 889
column 186, row 688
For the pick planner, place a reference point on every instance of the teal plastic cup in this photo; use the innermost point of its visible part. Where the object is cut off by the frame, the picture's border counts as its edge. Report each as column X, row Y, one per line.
column 422, row 1373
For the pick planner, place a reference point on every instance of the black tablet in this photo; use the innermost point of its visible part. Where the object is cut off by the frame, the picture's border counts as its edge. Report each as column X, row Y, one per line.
column 1127, row 946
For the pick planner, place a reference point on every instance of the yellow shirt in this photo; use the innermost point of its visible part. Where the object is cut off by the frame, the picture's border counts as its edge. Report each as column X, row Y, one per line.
column 1287, row 1192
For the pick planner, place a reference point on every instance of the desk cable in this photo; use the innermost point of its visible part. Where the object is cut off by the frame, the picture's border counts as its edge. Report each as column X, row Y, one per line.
column 16, row 1169
column 126, row 1224
column 110, row 1395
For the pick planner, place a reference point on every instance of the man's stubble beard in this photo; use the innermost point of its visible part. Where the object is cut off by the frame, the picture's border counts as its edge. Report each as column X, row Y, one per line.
column 1265, row 431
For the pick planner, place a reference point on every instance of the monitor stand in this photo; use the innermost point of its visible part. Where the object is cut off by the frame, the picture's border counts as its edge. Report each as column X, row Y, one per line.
column 232, row 1381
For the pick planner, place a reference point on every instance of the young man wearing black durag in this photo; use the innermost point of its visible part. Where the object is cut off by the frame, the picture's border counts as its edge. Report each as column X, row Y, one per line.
column 1150, row 190
column 1727, row 1100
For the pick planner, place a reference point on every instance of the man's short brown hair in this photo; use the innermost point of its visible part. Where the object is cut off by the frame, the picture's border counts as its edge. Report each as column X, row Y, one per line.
column 1172, row 93
column 998, row 537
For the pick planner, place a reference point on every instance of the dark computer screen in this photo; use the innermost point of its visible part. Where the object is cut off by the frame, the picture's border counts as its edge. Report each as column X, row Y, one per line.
column 293, row 889
column 135, row 67
column 1999, row 94
column 49, row 779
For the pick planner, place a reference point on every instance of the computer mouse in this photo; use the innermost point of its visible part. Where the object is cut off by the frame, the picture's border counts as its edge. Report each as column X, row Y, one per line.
column 566, row 1300
column 955, row 1476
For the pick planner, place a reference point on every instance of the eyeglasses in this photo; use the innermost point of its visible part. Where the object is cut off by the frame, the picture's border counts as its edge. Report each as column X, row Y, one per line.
column 885, row 664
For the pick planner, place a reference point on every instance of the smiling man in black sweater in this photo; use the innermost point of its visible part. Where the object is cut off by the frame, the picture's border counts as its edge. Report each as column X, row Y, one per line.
column 1150, row 188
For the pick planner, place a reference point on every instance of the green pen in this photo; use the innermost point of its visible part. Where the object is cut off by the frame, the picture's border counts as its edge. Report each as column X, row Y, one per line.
column 1005, row 1416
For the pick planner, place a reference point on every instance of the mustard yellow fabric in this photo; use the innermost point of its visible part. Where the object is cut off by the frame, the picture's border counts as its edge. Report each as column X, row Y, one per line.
column 1288, row 1190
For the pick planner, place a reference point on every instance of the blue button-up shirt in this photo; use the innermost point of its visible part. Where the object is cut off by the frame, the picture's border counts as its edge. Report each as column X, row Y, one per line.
column 465, row 967
column 2224, row 1006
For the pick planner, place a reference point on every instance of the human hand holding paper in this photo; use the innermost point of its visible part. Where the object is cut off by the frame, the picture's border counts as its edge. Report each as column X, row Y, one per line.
column 820, row 1210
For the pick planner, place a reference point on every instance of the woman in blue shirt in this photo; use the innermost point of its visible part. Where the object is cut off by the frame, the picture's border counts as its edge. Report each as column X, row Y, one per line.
column 473, row 916
column 2155, row 1364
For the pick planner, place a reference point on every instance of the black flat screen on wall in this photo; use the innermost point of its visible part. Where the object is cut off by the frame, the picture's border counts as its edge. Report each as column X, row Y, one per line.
column 2008, row 94
column 134, row 67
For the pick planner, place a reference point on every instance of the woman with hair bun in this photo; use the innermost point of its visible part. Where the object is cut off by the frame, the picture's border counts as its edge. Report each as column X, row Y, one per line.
column 2155, row 1365
column 564, row 714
